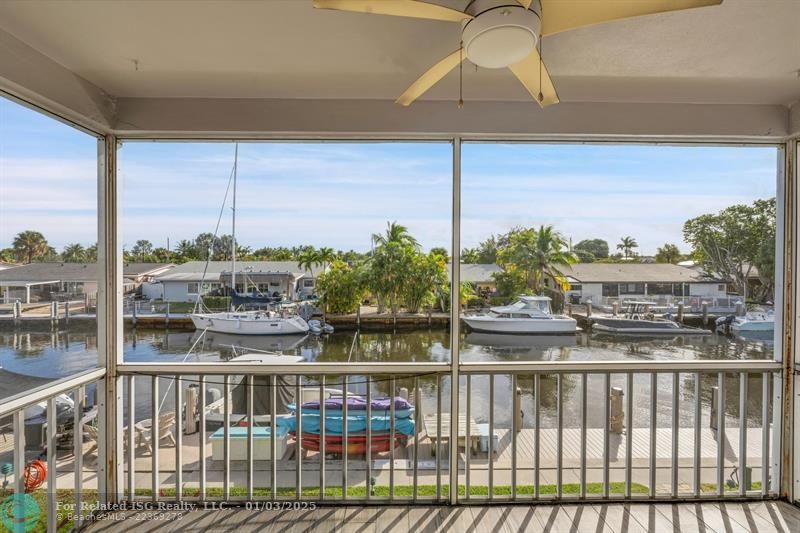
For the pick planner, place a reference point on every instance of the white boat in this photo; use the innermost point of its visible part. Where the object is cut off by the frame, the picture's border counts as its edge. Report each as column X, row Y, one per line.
column 759, row 321
column 528, row 315
column 638, row 320
column 250, row 323
column 246, row 322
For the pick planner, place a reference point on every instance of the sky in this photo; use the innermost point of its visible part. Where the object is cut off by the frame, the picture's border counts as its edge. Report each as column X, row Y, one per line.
column 337, row 194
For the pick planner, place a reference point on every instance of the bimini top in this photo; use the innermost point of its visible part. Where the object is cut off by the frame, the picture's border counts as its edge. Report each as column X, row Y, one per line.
column 527, row 305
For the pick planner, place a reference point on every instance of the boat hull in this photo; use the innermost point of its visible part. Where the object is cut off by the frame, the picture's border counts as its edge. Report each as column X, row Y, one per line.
column 627, row 326
column 754, row 325
column 526, row 326
column 231, row 324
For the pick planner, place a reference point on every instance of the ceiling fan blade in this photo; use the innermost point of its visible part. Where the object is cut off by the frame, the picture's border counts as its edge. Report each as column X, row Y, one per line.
column 527, row 71
column 525, row 3
column 430, row 78
column 561, row 15
column 400, row 8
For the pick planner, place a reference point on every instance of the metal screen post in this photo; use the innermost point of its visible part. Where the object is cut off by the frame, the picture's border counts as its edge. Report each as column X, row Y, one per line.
column 109, row 322
column 455, row 307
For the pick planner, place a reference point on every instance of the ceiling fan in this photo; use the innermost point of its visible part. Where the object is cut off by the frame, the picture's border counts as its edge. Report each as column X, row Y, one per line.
column 508, row 33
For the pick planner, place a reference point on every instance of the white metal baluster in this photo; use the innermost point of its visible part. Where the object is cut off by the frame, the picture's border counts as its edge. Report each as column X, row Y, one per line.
column 629, row 434
column 743, row 478
column 273, row 443
column 653, row 428
column 77, row 443
column 468, row 438
column 178, row 439
column 584, row 423
column 418, row 404
column 765, row 429
column 537, row 389
column 322, row 406
column 131, row 437
column 721, row 434
column 251, row 383
column 491, row 433
column 344, row 438
column 19, row 468
column 298, row 492
column 514, row 410
column 439, row 381
column 202, row 448
column 52, row 475
column 698, row 416
column 226, row 479
column 368, row 453
column 559, row 439
column 675, row 431
column 606, row 435
column 392, row 438
column 154, row 439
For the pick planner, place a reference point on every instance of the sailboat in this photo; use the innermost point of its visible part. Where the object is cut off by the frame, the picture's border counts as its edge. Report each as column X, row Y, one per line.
column 262, row 322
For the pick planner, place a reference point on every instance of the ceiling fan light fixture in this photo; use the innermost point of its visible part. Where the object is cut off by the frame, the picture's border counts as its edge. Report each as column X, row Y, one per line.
column 501, row 36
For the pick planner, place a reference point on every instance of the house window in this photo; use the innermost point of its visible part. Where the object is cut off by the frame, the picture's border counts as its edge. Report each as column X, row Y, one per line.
column 575, row 287
column 308, row 283
column 274, row 284
column 721, row 287
column 191, row 288
column 631, row 288
column 610, row 289
column 659, row 288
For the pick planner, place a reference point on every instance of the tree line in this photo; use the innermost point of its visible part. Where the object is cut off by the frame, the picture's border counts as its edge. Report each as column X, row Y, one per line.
column 735, row 244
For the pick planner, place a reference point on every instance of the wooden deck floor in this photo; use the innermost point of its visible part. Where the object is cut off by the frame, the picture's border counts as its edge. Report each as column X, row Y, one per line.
column 755, row 517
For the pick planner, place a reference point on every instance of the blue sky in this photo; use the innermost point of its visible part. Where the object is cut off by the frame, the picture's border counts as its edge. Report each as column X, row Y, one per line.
column 338, row 194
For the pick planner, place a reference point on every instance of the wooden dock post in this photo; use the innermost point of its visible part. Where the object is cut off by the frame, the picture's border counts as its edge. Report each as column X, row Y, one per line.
column 517, row 410
column 134, row 312
column 166, row 316
column 358, row 315
column 680, row 312
column 66, row 311
column 53, row 314
column 429, row 315
column 712, row 422
column 614, row 308
column 16, row 311
column 588, row 309
column 616, row 421
column 704, row 308
column 86, row 303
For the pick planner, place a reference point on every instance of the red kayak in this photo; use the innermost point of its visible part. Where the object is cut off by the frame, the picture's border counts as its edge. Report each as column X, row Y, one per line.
column 356, row 444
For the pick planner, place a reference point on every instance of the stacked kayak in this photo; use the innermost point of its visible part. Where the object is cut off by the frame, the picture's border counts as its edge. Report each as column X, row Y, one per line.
column 380, row 423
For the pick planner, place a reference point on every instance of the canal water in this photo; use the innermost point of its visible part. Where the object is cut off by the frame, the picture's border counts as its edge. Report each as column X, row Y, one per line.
column 52, row 355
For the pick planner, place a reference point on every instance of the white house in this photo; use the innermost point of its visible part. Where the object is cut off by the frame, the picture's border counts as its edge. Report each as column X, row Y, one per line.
column 184, row 282
column 603, row 282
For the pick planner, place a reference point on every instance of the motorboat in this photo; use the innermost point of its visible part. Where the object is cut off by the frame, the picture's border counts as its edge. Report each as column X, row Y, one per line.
column 639, row 320
column 528, row 315
column 754, row 321
column 317, row 327
column 250, row 323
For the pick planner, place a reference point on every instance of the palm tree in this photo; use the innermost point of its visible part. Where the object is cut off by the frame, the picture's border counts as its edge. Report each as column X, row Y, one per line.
column 326, row 256
column 538, row 254
column 627, row 244
column 395, row 233
column 669, row 253
column 307, row 260
column 29, row 245
column 73, row 253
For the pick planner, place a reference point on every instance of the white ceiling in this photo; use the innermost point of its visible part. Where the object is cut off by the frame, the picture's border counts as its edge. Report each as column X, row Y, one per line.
column 744, row 51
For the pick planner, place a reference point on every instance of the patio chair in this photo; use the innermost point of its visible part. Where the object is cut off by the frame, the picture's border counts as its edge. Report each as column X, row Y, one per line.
column 143, row 431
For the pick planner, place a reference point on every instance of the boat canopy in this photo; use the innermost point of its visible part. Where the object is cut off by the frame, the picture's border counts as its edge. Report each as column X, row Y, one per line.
column 537, row 306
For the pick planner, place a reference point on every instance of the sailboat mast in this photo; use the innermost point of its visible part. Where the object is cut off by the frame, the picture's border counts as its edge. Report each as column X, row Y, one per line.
column 233, row 236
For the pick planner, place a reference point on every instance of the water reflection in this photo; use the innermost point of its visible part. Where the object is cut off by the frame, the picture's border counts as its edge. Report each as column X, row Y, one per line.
column 52, row 355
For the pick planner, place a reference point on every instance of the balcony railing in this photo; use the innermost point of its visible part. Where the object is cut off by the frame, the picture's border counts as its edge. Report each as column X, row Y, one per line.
column 29, row 479
column 571, row 430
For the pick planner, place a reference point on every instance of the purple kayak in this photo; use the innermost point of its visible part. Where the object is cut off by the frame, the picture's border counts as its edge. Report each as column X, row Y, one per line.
column 359, row 403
